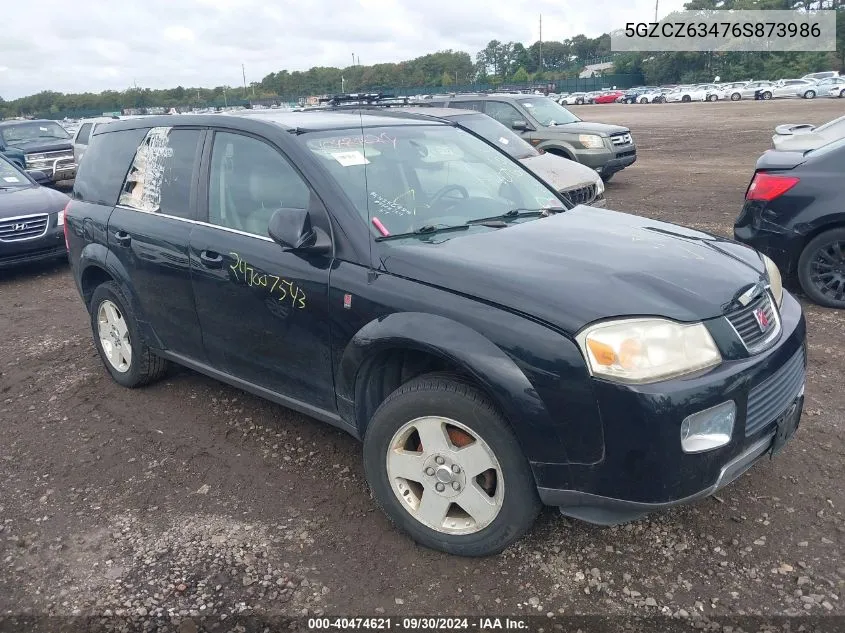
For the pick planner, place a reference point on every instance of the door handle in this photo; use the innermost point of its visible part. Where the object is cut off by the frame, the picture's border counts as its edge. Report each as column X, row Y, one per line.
column 211, row 259
column 122, row 237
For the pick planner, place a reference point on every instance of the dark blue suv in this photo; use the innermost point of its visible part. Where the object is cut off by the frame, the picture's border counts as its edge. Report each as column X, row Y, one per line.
column 412, row 284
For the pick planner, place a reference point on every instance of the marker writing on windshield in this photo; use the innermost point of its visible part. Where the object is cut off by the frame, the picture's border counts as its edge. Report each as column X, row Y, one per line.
column 381, row 228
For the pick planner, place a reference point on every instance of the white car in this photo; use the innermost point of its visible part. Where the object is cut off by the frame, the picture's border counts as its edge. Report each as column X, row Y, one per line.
column 837, row 91
column 804, row 136
column 791, row 88
column 827, row 74
column 684, row 94
column 734, row 90
column 574, row 98
column 653, row 96
column 831, row 87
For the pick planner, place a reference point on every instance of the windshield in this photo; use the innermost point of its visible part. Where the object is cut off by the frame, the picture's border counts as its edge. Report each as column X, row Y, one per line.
column 403, row 178
column 548, row 112
column 11, row 177
column 24, row 132
column 493, row 131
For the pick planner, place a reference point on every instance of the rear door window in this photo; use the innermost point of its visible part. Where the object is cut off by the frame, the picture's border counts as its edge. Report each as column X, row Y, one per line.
column 503, row 112
column 107, row 160
column 161, row 177
column 84, row 134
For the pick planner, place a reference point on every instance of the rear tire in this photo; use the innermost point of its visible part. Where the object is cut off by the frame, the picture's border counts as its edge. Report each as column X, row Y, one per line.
column 810, row 94
column 842, row 94
column 454, row 418
column 736, row 96
column 821, row 269
column 686, row 99
column 767, row 95
column 127, row 358
column 712, row 98
column 643, row 100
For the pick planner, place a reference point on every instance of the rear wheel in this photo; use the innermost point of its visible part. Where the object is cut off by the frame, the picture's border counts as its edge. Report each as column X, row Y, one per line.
column 767, row 95
column 445, row 466
column 810, row 94
column 842, row 94
column 736, row 96
column 821, row 269
column 643, row 100
column 686, row 99
column 712, row 98
column 128, row 359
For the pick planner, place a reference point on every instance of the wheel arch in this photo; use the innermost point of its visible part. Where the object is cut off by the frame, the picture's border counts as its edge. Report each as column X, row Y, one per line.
column 558, row 149
column 389, row 351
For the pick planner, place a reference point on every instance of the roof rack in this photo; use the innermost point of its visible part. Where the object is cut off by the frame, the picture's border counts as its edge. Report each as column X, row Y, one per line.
column 368, row 99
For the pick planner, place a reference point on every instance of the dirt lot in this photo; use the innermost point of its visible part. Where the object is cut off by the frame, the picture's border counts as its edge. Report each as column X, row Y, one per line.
column 190, row 499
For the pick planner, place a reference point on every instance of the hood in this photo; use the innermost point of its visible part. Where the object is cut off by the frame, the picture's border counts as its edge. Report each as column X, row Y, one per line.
column 15, row 202
column 559, row 172
column 584, row 265
column 587, row 127
column 43, row 145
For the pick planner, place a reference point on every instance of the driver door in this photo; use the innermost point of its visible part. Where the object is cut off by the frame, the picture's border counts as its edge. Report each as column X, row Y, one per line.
column 263, row 312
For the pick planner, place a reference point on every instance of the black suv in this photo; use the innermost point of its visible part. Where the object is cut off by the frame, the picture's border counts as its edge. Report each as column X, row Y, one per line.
column 549, row 126
column 414, row 285
column 45, row 145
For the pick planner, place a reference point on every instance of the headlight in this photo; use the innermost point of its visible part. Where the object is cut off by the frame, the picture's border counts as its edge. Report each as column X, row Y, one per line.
column 599, row 187
column 591, row 141
column 60, row 218
column 35, row 157
column 647, row 350
column 775, row 281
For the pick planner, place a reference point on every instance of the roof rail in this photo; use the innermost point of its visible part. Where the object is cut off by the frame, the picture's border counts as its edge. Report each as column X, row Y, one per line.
column 368, row 99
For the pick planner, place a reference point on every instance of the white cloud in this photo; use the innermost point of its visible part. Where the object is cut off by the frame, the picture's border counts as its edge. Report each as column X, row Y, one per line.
column 159, row 43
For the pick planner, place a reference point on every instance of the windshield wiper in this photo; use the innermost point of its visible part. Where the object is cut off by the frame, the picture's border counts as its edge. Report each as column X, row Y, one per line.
column 518, row 213
column 428, row 229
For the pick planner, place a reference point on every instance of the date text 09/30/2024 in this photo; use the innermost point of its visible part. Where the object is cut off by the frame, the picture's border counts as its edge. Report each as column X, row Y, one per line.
column 417, row 624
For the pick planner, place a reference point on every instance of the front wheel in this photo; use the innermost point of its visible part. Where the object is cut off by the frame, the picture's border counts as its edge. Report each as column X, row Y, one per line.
column 445, row 466
column 767, row 95
column 821, row 269
column 712, row 98
column 643, row 100
column 810, row 94
column 842, row 94
column 128, row 359
column 686, row 99
column 736, row 96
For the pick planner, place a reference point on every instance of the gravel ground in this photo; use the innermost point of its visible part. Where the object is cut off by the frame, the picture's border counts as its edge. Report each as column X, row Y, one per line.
column 190, row 505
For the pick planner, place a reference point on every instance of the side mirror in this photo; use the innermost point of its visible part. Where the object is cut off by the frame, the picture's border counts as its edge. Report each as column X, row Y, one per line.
column 520, row 125
column 38, row 176
column 293, row 231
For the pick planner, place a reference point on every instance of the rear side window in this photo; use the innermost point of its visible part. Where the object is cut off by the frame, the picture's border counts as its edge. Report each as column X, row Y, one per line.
column 84, row 134
column 161, row 177
column 107, row 160
column 478, row 106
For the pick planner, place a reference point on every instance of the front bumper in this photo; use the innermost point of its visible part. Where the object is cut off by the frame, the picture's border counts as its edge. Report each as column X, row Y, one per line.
column 51, row 245
column 57, row 169
column 643, row 467
column 608, row 161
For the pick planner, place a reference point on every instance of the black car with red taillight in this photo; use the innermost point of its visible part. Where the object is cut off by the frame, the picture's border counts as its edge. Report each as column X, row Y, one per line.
column 793, row 213
column 31, row 218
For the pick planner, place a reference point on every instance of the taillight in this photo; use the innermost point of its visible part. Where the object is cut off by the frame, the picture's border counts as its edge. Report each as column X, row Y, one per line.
column 767, row 187
column 67, row 243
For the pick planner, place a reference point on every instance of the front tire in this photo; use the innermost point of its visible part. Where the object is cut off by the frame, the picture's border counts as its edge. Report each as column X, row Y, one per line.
column 643, row 100
column 767, row 95
column 810, row 94
column 712, row 98
column 686, row 99
column 736, row 96
column 128, row 359
column 821, row 269
column 445, row 466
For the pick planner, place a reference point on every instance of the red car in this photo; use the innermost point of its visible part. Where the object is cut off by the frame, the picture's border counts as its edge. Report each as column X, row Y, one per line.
column 609, row 97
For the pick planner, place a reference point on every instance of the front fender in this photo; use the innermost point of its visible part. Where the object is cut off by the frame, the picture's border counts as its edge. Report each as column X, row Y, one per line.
column 494, row 370
column 558, row 146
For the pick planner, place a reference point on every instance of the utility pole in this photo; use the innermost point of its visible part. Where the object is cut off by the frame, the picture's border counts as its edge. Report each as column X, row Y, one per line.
column 353, row 59
column 243, row 70
column 541, row 43
column 656, row 4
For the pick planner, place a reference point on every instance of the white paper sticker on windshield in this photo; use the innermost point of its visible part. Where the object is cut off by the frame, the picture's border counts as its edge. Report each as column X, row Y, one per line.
column 44, row 129
column 347, row 159
column 11, row 179
column 526, row 104
column 503, row 140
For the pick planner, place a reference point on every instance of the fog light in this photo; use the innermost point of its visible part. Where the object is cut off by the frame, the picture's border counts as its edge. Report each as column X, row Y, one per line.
column 708, row 429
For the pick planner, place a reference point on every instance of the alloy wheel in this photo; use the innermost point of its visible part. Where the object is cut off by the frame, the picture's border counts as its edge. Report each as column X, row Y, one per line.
column 114, row 336
column 445, row 475
column 827, row 270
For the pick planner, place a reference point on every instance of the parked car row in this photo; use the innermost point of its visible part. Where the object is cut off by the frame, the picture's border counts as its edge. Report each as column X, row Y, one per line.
column 825, row 84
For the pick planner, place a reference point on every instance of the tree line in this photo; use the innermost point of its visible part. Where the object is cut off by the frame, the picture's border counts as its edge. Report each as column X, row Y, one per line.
column 498, row 63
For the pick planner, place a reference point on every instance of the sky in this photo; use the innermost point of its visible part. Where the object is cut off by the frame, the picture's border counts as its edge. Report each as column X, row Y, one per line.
column 95, row 45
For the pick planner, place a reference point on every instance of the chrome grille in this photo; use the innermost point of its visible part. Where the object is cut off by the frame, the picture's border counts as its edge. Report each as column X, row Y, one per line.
column 621, row 139
column 772, row 396
column 757, row 324
column 23, row 228
column 53, row 155
column 581, row 195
